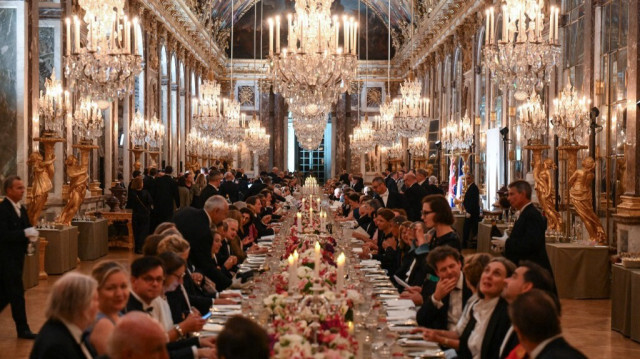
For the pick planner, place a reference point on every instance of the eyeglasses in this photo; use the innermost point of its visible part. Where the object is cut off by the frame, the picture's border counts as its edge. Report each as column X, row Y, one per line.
column 179, row 276
column 426, row 213
column 150, row 279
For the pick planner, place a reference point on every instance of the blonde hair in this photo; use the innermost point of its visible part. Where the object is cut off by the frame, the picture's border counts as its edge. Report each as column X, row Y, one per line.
column 104, row 269
column 174, row 244
column 70, row 296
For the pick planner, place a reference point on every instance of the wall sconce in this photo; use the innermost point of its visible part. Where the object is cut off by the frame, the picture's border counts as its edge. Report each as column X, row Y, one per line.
column 599, row 85
column 478, row 121
column 493, row 117
column 512, row 111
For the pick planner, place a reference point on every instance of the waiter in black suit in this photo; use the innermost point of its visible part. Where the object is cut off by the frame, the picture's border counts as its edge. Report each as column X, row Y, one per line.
column 527, row 239
column 211, row 189
column 413, row 196
column 165, row 198
column 15, row 234
column 195, row 226
column 471, row 204
column 389, row 199
column 229, row 189
column 390, row 181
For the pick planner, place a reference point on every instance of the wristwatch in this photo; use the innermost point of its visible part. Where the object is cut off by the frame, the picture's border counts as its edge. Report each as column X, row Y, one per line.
column 179, row 331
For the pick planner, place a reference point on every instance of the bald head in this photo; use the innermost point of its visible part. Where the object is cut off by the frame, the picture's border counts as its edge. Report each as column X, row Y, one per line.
column 137, row 335
column 410, row 179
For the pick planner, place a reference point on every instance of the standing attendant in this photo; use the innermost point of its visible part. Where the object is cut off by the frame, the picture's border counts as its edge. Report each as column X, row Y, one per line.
column 15, row 234
column 471, row 204
column 141, row 203
column 165, row 197
column 413, row 196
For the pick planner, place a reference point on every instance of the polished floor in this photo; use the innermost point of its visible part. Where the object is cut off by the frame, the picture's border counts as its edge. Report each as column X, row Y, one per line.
column 586, row 323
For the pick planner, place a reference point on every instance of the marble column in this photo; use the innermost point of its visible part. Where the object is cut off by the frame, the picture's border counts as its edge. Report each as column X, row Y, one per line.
column 628, row 215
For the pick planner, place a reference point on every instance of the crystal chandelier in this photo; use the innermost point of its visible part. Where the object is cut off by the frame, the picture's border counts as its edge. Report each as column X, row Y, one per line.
column 54, row 106
column 418, row 146
column 88, row 121
column 396, row 151
column 361, row 140
column 195, row 142
column 256, row 137
column 106, row 66
column 309, row 122
column 137, row 130
column 533, row 119
column 571, row 118
column 411, row 110
column 385, row 134
column 522, row 55
column 208, row 116
column 458, row 135
column 155, row 133
column 314, row 68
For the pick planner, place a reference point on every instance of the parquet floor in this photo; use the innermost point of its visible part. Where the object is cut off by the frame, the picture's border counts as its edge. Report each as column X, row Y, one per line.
column 586, row 323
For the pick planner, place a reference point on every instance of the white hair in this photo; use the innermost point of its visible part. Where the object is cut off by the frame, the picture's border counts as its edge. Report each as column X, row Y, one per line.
column 433, row 180
column 216, row 202
column 70, row 296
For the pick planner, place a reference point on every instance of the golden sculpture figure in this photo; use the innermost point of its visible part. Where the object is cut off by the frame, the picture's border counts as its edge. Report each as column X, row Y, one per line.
column 621, row 173
column 581, row 198
column 547, row 194
column 41, row 185
column 78, row 181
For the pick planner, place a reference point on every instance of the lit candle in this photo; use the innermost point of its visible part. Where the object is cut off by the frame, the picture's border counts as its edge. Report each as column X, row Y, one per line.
column 555, row 32
column 76, row 34
column 290, row 30
column 68, row 42
column 346, row 35
column 135, row 35
column 336, row 25
column 277, row 34
column 127, row 39
column 299, row 222
column 350, row 327
column 316, row 257
column 292, row 274
column 354, row 43
column 270, row 21
column 340, row 266
column 551, row 25
column 318, row 202
column 486, row 27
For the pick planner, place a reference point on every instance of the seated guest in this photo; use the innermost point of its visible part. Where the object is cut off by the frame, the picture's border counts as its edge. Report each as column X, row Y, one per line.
column 226, row 267
column 195, row 226
column 163, row 227
column 137, row 335
column 260, row 222
column 248, row 229
column 473, row 268
column 437, row 216
column 150, row 247
column 445, row 296
column 237, row 332
column 384, row 246
column 71, row 308
column 526, row 277
column 413, row 267
column 367, row 213
column 147, row 285
column 230, row 235
column 537, row 322
column 113, row 295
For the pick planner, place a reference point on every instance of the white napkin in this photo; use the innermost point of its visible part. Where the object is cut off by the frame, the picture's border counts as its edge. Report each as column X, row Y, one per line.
column 399, row 303
column 215, row 328
column 401, row 314
column 225, row 307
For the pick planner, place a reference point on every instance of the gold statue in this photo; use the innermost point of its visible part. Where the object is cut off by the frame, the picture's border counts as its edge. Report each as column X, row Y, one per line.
column 581, row 198
column 41, row 185
column 621, row 174
column 79, row 179
column 546, row 193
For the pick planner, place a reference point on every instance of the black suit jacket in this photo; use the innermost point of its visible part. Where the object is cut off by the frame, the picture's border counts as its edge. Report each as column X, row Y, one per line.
column 13, row 243
column 413, row 198
column 255, row 188
column 511, row 342
column 207, row 192
column 432, row 189
column 527, row 239
column 499, row 324
column 431, row 317
column 344, row 178
column 471, row 201
column 195, row 228
column 359, row 186
column 391, row 184
column 395, row 200
column 55, row 342
column 165, row 197
column 231, row 189
column 560, row 349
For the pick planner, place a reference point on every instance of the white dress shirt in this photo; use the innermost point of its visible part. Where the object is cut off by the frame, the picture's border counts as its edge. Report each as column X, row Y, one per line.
column 482, row 313
column 466, row 314
column 162, row 313
column 76, row 333
column 385, row 197
column 455, row 304
column 16, row 206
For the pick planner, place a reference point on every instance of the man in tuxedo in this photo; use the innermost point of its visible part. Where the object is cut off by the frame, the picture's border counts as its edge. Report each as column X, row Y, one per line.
column 526, row 277
column 211, row 189
column 344, row 177
column 471, row 204
column 421, row 177
column 165, row 198
column 195, row 226
column 443, row 297
column 527, row 239
column 15, row 234
column 536, row 320
column 389, row 199
column 413, row 196
column 149, row 179
column 258, row 185
column 229, row 189
column 357, row 183
column 432, row 186
column 390, row 181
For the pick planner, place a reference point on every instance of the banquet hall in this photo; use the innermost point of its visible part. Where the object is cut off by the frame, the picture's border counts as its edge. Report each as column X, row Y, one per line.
column 325, row 126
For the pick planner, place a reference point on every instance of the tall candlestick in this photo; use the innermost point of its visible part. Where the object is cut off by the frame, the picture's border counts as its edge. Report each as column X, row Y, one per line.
column 292, row 274
column 76, row 34
column 135, row 35
column 277, row 34
column 299, row 222
column 316, row 257
column 486, row 27
column 336, row 35
column 270, row 37
column 340, row 272
column 346, row 36
column 68, row 42
column 555, row 33
column 354, row 28
column 290, row 30
column 551, row 25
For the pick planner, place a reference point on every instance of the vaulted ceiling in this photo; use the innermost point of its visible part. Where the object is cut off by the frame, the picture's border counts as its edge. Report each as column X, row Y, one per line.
column 373, row 15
